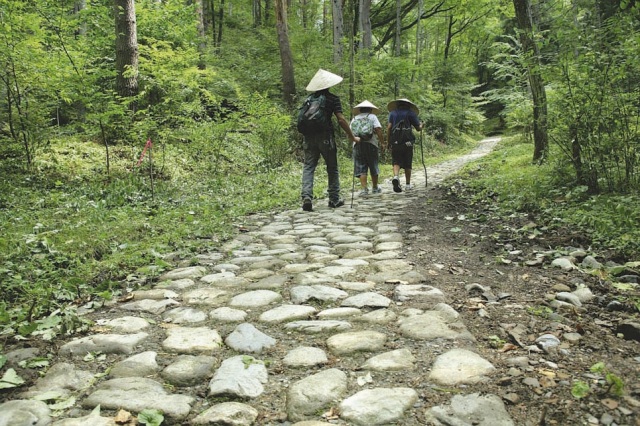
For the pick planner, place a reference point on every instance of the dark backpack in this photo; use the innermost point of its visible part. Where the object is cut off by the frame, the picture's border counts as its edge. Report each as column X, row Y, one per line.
column 312, row 117
column 363, row 128
column 402, row 132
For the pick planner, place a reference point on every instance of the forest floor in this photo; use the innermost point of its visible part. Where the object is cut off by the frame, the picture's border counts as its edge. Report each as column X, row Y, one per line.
column 462, row 244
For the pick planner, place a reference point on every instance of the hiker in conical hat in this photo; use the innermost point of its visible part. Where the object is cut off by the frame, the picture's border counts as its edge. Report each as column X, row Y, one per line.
column 403, row 116
column 314, row 122
column 367, row 127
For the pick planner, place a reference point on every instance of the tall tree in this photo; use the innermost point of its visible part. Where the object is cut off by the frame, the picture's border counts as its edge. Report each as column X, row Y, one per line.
column 286, row 59
column 202, row 40
column 338, row 30
column 364, row 23
column 126, row 48
column 536, row 83
column 256, row 12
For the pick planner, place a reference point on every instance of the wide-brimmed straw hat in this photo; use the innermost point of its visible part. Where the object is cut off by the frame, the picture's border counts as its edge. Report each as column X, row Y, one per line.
column 393, row 105
column 323, row 80
column 365, row 104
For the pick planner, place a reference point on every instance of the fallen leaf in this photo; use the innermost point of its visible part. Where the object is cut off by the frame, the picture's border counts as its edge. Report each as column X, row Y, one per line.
column 547, row 382
column 332, row 414
column 123, row 417
column 547, row 373
column 611, row 404
column 455, row 270
column 395, row 281
column 126, row 298
column 603, row 323
column 508, row 347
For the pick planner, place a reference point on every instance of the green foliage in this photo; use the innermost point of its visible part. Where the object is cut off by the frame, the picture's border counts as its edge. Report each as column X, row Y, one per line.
column 508, row 177
column 496, row 342
column 580, row 389
column 151, row 417
column 10, row 379
column 540, row 311
column 507, row 65
column 615, row 383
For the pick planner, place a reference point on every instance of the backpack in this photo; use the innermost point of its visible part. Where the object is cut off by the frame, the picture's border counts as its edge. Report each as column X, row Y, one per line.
column 312, row 117
column 401, row 133
column 363, row 128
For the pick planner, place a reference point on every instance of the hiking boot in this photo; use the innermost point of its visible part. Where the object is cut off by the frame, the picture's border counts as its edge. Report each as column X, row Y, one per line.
column 336, row 204
column 396, row 184
column 376, row 190
column 364, row 192
column 307, row 206
column 408, row 187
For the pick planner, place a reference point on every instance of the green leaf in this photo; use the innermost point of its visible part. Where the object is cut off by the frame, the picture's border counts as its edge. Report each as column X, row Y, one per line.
column 27, row 329
column 617, row 385
column 624, row 286
column 51, row 395
column 3, row 360
column 580, row 389
column 151, row 417
column 10, row 379
column 34, row 363
column 598, row 367
column 63, row 404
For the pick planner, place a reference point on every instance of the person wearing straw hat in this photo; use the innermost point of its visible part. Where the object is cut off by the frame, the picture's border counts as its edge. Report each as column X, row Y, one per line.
column 367, row 127
column 403, row 115
column 322, row 143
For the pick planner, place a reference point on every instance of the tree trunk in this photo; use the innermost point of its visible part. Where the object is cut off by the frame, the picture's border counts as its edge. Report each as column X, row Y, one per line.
column 304, row 13
column 396, row 41
column 202, row 40
column 338, row 30
column 126, row 48
column 257, row 13
column 78, row 6
column 419, row 31
column 365, row 23
column 353, row 10
column 449, row 37
column 218, row 38
column 286, row 59
column 538, row 93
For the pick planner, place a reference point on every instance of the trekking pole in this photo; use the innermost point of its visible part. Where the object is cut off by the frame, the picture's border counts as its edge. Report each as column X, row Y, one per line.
column 426, row 180
column 353, row 179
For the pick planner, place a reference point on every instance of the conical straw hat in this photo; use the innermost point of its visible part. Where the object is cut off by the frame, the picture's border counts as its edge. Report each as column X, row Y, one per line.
column 365, row 104
column 394, row 105
column 323, row 80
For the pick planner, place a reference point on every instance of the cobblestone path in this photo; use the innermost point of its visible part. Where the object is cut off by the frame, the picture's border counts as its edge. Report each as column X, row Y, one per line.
column 305, row 318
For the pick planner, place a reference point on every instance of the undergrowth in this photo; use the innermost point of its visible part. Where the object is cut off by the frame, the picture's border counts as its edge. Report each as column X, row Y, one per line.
column 508, row 180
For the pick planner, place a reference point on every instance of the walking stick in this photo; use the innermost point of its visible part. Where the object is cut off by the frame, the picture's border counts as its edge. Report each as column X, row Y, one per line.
column 353, row 179
column 426, row 180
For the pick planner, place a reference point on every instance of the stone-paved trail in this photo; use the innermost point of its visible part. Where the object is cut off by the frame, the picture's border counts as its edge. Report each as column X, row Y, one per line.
column 305, row 318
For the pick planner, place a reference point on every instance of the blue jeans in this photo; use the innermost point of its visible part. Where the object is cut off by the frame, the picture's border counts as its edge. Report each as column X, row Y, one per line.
column 314, row 147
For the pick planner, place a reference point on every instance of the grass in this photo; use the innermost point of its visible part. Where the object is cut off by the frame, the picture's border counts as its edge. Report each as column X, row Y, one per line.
column 507, row 180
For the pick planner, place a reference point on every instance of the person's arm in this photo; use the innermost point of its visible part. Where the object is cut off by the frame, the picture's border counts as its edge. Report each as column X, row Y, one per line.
column 389, row 134
column 345, row 126
column 415, row 121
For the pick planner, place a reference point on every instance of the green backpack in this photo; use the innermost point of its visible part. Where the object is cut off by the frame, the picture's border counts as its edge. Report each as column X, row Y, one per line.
column 362, row 127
